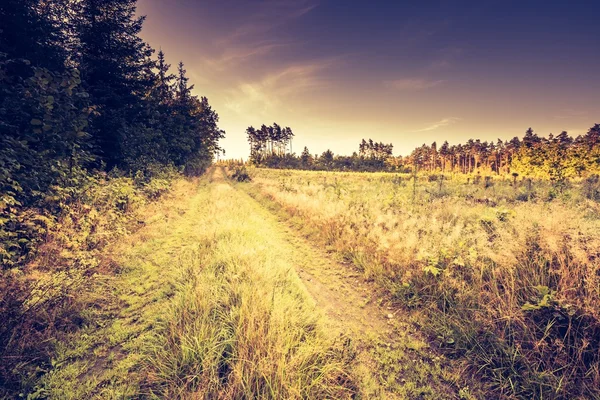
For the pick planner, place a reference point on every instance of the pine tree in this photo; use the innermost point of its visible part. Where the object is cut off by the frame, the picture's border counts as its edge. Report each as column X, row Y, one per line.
column 592, row 137
column 288, row 135
column 444, row 153
column 305, row 158
column 184, row 91
column 35, row 30
column 114, row 62
column 326, row 159
column 163, row 90
column 530, row 139
column 196, row 134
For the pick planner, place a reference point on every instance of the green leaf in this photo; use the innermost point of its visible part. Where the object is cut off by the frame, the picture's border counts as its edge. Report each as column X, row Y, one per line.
column 530, row 307
column 543, row 290
column 546, row 301
column 435, row 271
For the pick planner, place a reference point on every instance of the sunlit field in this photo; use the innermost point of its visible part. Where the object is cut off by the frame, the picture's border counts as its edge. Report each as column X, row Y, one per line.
column 299, row 199
column 502, row 273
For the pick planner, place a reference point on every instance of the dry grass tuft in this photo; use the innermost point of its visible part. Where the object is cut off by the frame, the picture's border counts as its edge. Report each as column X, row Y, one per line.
column 507, row 275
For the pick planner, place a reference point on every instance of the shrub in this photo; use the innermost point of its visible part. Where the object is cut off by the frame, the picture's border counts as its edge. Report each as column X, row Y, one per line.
column 43, row 295
column 241, row 174
column 591, row 187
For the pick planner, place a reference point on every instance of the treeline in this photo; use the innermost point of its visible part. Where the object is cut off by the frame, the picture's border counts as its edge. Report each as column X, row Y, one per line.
column 80, row 93
column 557, row 157
column 269, row 141
column 92, row 126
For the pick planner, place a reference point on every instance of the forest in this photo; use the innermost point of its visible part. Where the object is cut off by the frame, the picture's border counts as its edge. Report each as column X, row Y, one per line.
column 92, row 122
column 82, row 95
column 556, row 158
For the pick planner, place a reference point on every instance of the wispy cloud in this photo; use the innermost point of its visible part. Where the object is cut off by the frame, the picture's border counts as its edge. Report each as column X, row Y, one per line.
column 256, row 34
column 267, row 16
column 440, row 124
column 412, row 84
column 570, row 113
column 236, row 54
column 263, row 95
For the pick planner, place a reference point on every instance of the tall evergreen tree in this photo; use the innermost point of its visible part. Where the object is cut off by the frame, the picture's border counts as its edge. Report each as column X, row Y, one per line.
column 114, row 61
column 592, row 137
column 163, row 90
column 195, row 142
column 35, row 30
column 184, row 91
column 305, row 158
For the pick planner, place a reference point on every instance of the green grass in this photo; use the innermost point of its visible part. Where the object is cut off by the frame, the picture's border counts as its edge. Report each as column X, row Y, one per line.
column 205, row 304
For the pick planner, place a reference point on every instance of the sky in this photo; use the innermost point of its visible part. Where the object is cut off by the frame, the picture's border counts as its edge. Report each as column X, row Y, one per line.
column 400, row 72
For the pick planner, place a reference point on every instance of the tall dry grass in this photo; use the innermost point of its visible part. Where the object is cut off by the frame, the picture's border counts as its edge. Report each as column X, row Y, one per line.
column 505, row 274
column 240, row 324
column 203, row 302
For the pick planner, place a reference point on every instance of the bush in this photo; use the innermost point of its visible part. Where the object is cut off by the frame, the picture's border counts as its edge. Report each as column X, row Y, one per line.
column 591, row 187
column 43, row 294
column 241, row 174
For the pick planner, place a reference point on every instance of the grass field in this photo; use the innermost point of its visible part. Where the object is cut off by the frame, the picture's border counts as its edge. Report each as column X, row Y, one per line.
column 205, row 306
column 320, row 285
column 502, row 274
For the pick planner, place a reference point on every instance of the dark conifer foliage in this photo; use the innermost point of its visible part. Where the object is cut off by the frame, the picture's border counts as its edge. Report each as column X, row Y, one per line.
column 44, row 119
column 80, row 91
column 113, row 60
column 35, row 31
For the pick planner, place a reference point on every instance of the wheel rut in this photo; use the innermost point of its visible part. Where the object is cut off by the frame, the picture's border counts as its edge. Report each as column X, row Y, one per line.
column 389, row 351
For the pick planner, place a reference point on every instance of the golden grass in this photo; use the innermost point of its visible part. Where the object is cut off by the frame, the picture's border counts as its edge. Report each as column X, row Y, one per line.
column 204, row 302
column 206, row 305
column 241, row 324
column 507, row 275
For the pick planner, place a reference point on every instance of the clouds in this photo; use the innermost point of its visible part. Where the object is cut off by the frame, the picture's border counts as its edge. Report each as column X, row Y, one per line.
column 440, row 124
column 412, row 84
column 263, row 17
column 569, row 114
column 342, row 70
column 253, row 58
column 254, row 35
column 262, row 96
column 236, row 54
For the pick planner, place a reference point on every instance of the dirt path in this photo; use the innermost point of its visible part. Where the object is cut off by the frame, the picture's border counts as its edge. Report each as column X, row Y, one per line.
column 339, row 290
column 114, row 357
column 392, row 359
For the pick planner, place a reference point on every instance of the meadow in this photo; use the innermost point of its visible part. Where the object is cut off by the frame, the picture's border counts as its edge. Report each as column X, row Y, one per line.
column 200, row 300
column 501, row 272
column 260, row 283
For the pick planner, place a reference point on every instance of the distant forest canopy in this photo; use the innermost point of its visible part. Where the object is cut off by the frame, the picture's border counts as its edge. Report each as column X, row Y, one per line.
column 269, row 140
column 554, row 157
column 81, row 93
